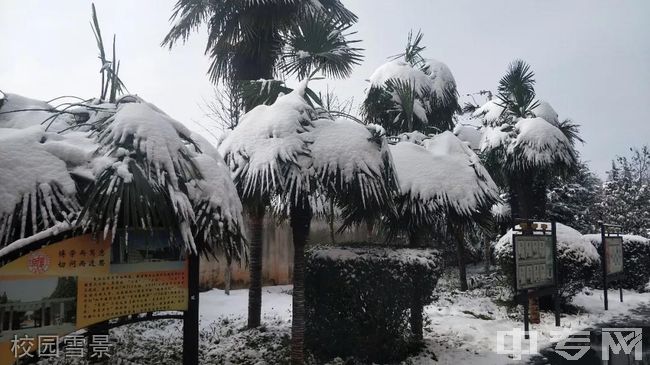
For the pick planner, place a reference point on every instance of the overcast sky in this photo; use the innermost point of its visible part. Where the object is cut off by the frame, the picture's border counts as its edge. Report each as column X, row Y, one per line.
column 591, row 58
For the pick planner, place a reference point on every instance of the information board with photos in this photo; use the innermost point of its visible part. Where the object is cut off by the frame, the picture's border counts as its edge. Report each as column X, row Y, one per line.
column 533, row 261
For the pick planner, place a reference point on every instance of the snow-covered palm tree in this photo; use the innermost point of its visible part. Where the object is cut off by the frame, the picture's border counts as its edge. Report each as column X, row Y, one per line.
column 442, row 185
column 129, row 165
column 523, row 143
column 411, row 93
column 286, row 150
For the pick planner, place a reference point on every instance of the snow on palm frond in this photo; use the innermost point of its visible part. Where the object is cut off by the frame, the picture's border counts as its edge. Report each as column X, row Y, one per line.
column 469, row 134
column 158, row 178
column 545, row 111
column 36, row 190
column 351, row 164
column 490, row 113
column 439, row 177
column 538, row 144
column 265, row 147
column 217, row 207
column 442, row 84
column 434, row 99
column 464, row 185
column 18, row 111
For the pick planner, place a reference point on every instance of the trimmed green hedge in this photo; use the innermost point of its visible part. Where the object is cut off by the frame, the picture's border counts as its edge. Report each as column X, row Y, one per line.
column 358, row 299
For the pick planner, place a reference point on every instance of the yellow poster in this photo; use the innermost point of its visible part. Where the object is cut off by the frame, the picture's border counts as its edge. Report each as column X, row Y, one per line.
column 76, row 256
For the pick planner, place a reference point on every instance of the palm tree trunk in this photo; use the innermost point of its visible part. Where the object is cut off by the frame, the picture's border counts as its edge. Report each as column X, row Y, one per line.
column 487, row 254
column 460, row 253
column 416, row 302
column 227, row 274
column 256, row 215
column 300, row 221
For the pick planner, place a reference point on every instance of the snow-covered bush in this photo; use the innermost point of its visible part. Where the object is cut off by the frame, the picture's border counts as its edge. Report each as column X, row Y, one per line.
column 358, row 299
column 578, row 261
column 636, row 259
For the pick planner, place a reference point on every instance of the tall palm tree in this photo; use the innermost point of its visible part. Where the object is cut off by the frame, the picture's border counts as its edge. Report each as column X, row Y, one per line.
column 523, row 144
column 288, row 151
column 255, row 39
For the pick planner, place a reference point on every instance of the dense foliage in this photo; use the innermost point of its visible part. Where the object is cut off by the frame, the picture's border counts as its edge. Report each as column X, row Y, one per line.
column 358, row 299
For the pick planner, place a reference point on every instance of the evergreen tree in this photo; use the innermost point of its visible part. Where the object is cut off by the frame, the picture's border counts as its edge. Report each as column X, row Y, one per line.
column 575, row 201
column 626, row 193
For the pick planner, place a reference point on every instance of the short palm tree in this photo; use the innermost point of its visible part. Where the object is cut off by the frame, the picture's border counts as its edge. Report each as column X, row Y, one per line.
column 411, row 92
column 442, row 185
column 285, row 150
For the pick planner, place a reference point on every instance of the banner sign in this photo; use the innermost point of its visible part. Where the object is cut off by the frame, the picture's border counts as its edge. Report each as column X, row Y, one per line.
column 614, row 254
column 533, row 261
column 79, row 281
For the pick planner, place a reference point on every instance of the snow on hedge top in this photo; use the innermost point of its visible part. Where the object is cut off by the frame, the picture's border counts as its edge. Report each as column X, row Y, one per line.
column 20, row 112
column 545, row 111
column 265, row 138
column 430, row 258
column 490, row 112
column 445, row 172
column 540, row 143
column 347, row 149
column 570, row 244
column 154, row 134
column 595, row 239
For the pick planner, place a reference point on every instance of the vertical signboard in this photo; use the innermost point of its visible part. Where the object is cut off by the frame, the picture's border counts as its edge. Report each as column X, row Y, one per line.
column 614, row 254
column 533, row 261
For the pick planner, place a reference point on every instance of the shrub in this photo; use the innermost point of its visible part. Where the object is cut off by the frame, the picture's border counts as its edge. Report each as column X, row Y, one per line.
column 357, row 299
column 636, row 260
column 578, row 261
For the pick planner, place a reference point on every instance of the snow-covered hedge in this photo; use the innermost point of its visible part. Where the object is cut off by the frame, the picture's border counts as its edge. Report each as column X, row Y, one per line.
column 578, row 259
column 636, row 259
column 358, row 299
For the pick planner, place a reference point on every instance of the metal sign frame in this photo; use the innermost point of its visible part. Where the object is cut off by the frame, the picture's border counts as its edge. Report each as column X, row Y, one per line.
column 528, row 227
column 611, row 231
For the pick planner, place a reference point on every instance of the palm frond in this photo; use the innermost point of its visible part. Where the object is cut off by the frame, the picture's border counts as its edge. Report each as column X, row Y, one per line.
column 413, row 52
column 517, row 91
column 319, row 43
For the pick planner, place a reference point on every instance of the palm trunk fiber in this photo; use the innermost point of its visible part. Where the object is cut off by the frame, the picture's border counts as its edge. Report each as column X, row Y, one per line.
column 255, row 289
column 300, row 221
column 459, row 236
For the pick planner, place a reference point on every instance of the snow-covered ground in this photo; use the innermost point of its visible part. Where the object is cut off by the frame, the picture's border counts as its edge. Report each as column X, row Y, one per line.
column 460, row 327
